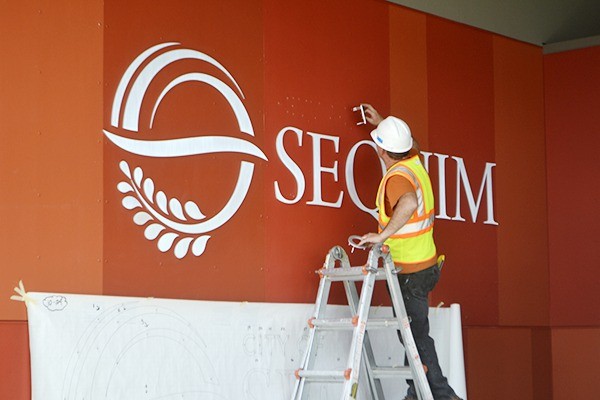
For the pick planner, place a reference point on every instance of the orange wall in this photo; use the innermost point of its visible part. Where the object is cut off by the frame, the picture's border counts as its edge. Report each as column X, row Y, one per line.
column 465, row 93
column 519, row 143
column 14, row 364
column 50, row 152
column 576, row 361
column 572, row 87
column 461, row 123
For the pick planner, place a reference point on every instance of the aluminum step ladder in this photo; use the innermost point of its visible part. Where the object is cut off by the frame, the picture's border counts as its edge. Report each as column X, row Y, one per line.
column 360, row 324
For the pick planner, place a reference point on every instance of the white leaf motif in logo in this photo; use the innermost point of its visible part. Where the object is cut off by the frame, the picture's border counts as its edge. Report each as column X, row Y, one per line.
column 176, row 226
column 144, row 198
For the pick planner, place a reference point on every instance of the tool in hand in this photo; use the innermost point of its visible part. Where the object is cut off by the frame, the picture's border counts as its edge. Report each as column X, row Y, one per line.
column 353, row 241
column 360, row 108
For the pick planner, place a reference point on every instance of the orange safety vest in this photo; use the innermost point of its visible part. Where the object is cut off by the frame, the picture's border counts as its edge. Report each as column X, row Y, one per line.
column 413, row 243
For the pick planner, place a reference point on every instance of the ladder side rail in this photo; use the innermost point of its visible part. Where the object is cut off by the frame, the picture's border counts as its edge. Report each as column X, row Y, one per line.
column 414, row 360
column 311, row 348
column 354, row 359
column 375, row 387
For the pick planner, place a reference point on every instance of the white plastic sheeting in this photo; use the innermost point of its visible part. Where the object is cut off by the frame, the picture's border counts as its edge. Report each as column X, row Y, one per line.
column 100, row 347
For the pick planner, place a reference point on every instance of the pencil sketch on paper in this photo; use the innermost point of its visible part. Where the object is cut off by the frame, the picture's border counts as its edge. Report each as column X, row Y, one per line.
column 137, row 350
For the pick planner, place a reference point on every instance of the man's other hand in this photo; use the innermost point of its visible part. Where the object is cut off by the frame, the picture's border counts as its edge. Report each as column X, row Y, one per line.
column 370, row 238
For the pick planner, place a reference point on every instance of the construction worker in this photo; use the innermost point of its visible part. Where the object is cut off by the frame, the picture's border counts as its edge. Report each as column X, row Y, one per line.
column 406, row 214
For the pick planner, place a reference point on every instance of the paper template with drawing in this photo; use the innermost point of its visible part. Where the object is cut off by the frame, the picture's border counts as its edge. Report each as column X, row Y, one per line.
column 112, row 347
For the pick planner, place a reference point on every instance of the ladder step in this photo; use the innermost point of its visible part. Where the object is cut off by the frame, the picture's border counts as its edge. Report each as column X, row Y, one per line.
column 323, row 376
column 392, row 372
column 382, row 323
column 339, row 376
column 350, row 323
column 350, row 274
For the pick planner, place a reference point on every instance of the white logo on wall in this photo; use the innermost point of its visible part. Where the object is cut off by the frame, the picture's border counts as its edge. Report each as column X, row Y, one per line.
column 176, row 227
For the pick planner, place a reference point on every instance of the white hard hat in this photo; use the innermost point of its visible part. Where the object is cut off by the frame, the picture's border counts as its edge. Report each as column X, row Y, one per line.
column 393, row 134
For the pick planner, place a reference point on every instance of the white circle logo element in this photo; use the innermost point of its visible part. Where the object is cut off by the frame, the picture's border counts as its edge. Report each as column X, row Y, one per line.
column 176, row 226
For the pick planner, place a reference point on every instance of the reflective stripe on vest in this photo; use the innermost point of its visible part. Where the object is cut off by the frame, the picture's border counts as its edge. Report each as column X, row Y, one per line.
column 424, row 216
column 413, row 242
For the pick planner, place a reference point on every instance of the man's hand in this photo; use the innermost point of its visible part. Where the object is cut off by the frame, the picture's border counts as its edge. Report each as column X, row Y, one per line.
column 370, row 238
column 404, row 208
column 371, row 114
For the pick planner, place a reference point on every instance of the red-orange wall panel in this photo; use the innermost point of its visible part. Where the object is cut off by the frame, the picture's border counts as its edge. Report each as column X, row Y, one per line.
column 541, row 367
column 575, row 362
column 499, row 363
column 460, row 83
column 50, row 148
column 520, row 183
column 321, row 59
column 14, row 363
column 232, row 265
column 408, row 70
column 572, row 89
